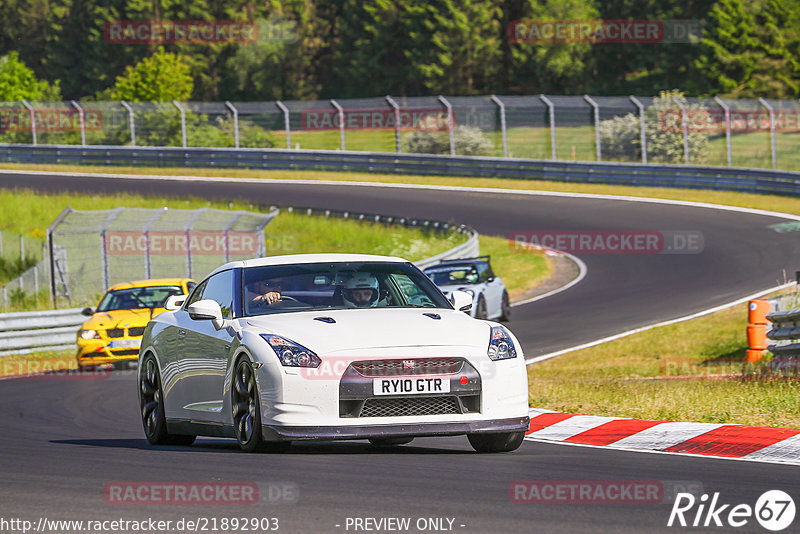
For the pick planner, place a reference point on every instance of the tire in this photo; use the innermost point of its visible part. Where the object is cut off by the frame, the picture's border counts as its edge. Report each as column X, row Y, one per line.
column 496, row 442
column 505, row 308
column 151, row 406
column 390, row 442
column 480, row 309
column 245, row 406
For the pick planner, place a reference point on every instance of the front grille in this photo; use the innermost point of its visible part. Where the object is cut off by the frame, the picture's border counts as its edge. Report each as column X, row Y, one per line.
column 136, row 331
column 419, row 366
column 115, row 332
column 409, row 406
column 124, row 352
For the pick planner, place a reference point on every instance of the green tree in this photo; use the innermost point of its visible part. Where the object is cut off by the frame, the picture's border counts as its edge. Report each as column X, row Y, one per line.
column 18, row 82
column 160, row 78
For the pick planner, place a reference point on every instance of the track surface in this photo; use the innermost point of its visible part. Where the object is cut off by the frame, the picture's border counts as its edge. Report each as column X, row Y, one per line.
column 64, row 440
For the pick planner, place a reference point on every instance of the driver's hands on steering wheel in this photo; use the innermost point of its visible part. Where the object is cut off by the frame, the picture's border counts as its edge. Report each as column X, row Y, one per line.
column 267, row 299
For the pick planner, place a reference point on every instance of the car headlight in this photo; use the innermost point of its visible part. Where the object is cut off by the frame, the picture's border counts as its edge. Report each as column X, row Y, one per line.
column 290, row 353
column 500, row 345
column 88, row 334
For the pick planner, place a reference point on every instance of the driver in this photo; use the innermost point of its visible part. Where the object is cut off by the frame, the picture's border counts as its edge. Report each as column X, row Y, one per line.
column 361, row 291
column 263, row 293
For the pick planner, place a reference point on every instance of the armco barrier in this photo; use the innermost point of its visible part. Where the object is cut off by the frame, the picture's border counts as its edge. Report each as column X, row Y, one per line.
column 785, row 330
column 25, row 332
column 685, row 176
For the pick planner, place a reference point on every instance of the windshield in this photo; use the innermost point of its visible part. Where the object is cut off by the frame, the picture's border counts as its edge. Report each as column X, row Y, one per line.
column 454, row 274
column 137, row 298
column 326, row 286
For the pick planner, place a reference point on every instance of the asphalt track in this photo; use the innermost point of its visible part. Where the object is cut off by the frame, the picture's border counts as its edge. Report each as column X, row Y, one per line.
column 64, row 440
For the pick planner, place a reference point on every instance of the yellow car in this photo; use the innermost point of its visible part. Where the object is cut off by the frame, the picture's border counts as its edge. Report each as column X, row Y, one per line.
column 114, row 332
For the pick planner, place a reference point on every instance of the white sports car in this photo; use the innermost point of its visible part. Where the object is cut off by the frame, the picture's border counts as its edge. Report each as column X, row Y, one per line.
column 327, row 347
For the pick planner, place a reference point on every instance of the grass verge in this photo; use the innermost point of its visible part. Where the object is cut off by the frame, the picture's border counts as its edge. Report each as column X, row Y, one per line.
column 690, row 371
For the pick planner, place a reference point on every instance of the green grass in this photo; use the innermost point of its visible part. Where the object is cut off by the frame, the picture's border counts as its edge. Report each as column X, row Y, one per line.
column 28, row 213
column 690, row 371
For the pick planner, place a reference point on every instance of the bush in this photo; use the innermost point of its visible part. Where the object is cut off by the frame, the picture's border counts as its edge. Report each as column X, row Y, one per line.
column 620, row 137
column 469, row 141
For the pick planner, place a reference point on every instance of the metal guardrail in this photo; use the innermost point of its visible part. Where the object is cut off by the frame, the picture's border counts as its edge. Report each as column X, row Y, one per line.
column 652, row 175
column 785, row 327
column 24, row 332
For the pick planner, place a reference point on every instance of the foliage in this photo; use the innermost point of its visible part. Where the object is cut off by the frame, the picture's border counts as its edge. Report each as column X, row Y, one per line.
column 468, row 141
column 18, row 82
column 163, row 77
column 620, row 138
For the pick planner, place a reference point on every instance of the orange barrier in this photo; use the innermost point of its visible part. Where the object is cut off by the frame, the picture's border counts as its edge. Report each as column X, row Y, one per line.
column 758, row 311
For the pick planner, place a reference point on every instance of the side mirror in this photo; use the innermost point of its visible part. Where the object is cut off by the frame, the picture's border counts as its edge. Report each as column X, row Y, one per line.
column 462, row 301
column 174, row 302
column 206, row 310
column 88, row 312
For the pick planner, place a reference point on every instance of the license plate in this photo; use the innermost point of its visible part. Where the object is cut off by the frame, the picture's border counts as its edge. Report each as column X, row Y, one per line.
column 410, row 386
column 125, row 344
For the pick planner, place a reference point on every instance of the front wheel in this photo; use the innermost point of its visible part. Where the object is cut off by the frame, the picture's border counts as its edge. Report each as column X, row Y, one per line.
column 480, row 310
column 244, row 400
column 151, row 406
column 505, row 308
column 496, row 442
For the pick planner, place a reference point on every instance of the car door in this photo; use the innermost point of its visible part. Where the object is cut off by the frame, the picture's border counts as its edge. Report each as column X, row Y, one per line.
column 494, row 290
column 204, row 357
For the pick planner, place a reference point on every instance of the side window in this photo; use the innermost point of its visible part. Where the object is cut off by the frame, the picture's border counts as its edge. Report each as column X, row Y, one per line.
column 484, row 272
column 190, row 286
column 220, row 289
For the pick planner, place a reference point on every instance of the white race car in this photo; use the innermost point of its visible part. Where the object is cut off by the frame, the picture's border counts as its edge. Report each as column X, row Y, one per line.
column 327, row 347
column 474, row 276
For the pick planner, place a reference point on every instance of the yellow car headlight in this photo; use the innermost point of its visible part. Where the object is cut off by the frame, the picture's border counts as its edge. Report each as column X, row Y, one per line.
column 88, row 334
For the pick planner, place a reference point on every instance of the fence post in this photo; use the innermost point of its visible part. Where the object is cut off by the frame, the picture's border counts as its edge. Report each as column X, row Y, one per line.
column 183, row 121
column 642, row 130
column 22, row 249
column 285, row 123
column 235, row 122
column 81, row 118
column 552, row 115
column 340, row 113
column 397, row 137
column 727, row 111
column 685, row 128
column 596, row 108
column 33, row 120
column 130, row 122
column 503, row 131
column 450, row 124
column 772, row 146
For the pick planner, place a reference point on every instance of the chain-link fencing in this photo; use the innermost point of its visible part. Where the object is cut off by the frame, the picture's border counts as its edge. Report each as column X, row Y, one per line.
column 668, row 128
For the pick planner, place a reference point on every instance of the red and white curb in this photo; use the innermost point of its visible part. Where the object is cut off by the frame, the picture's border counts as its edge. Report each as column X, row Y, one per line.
column 760, row 443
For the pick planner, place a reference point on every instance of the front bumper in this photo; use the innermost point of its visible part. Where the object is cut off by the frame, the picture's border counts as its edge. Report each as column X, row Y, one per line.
column 307, row 433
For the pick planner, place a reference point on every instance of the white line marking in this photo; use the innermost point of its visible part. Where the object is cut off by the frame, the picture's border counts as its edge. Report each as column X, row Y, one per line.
column 582, row 270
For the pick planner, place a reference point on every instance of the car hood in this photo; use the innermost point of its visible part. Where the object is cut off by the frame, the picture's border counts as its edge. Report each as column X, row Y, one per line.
column 374, row 328
column 119, row 319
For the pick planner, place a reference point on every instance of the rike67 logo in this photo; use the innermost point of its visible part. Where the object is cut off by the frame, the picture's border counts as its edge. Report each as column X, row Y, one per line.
column 774, row 510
